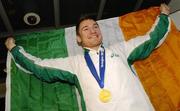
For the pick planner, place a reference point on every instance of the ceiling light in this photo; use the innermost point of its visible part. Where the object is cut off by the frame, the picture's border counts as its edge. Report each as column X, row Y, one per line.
column 31, row 18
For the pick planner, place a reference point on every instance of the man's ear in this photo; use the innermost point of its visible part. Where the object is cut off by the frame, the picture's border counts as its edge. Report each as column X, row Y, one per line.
column 79, row 40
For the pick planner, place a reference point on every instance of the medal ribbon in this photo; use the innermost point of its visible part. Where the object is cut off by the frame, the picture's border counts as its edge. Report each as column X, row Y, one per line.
column 92, row 68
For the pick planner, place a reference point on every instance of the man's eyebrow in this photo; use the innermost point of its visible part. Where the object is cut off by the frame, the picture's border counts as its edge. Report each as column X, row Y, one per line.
column 84, row 27
column 96, row 24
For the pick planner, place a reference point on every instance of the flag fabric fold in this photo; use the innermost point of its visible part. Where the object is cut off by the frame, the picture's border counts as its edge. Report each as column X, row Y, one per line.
column 159, row 73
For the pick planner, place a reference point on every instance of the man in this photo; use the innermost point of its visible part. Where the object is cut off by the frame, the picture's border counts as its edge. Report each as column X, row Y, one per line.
column 104, row 80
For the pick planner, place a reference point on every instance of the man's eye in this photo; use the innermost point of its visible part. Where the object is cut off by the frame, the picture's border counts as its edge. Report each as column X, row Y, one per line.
column 96, row 26
column 85, row 29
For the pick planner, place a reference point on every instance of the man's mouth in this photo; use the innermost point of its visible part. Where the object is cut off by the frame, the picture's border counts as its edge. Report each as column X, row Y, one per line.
column 94, row 35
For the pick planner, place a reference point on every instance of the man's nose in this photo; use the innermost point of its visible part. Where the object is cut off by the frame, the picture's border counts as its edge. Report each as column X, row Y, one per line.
column 92, row 30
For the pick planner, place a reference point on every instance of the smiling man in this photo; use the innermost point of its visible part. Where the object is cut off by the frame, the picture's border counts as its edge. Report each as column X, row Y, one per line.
column 104, row 79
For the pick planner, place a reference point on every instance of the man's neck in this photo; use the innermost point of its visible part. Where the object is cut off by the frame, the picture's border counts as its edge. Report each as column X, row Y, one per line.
column 96, row 48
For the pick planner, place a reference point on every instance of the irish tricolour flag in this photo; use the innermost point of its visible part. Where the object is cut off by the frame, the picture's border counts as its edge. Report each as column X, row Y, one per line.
column 159, row 73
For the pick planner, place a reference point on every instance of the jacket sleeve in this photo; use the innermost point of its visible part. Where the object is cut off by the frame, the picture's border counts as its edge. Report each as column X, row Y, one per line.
column 44, row 73
column 142, row 46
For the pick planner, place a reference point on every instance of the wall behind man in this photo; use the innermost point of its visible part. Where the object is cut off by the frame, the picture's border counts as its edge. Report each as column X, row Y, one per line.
column 175, row 12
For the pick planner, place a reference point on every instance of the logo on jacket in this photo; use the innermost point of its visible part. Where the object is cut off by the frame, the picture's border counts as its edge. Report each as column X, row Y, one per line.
column 114, row 55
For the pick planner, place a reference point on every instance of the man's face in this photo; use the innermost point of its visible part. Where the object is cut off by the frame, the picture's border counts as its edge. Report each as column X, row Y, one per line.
column 89, row 34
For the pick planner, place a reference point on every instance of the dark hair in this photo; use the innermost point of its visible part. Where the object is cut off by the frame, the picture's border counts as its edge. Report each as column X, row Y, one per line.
column 82, row 18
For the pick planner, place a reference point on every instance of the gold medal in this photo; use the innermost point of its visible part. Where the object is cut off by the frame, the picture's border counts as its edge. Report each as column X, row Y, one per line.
column 105, row 95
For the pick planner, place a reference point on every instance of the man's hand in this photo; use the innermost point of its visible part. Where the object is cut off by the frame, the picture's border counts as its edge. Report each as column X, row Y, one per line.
column 164, row 9
column 10, row 43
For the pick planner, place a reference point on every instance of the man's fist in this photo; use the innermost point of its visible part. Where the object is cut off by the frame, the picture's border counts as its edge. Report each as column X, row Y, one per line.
column 10, row 43
column 164, row 9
